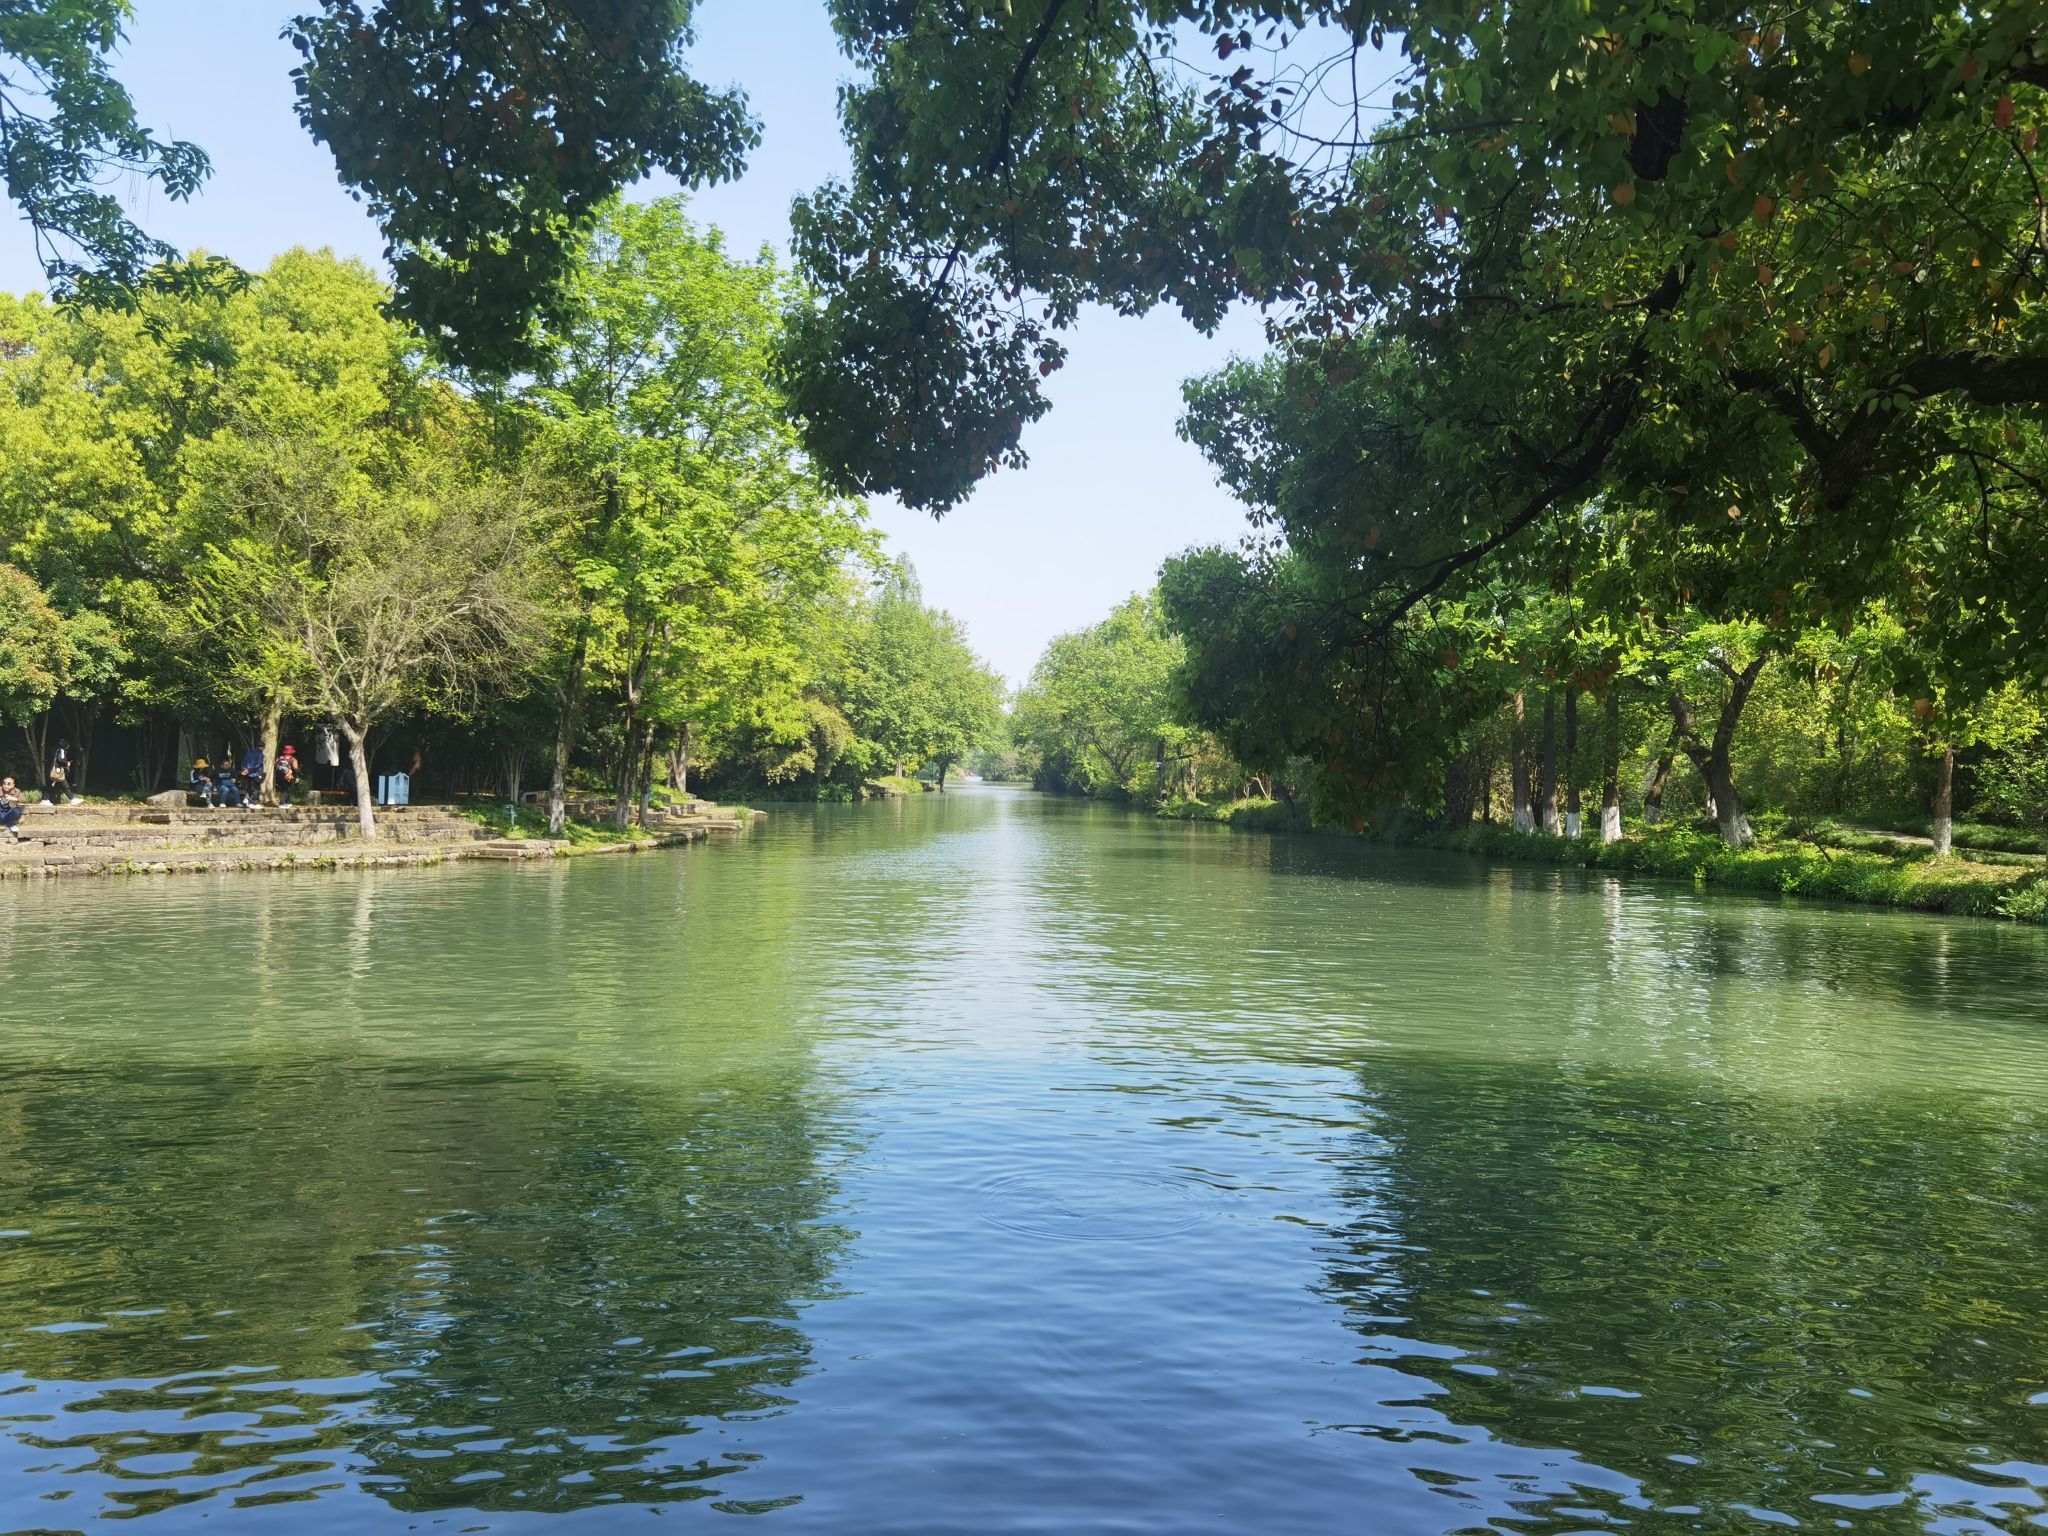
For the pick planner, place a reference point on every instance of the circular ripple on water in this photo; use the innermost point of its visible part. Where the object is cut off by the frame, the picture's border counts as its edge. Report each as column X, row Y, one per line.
column 1094, row 1207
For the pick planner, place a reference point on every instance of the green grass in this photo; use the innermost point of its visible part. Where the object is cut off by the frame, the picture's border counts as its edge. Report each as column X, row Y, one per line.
column 1813, row 859
column 1254, row 814
column 1982, row 835
column 532, row 821
column 896, row 784
column 1786, row 867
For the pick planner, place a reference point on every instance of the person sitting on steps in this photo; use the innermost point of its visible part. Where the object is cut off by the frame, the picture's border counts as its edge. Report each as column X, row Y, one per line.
column 251, row 777
column 202, row 781
column 10, row 809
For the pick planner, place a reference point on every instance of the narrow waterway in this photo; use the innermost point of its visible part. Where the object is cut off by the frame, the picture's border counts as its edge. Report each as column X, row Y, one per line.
column 991, row 1163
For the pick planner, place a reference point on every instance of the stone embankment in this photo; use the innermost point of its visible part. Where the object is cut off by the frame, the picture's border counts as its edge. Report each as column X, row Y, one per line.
column 161, row 840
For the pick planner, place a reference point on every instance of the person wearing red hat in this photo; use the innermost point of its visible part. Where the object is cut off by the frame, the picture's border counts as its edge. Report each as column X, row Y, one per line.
column 287, row 774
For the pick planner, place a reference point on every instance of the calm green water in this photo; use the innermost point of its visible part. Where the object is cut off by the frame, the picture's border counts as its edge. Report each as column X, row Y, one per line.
column 994, row 1164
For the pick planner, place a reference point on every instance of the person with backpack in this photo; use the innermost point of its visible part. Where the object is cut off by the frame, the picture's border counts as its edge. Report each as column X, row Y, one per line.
column 288, row 774
column 57, row 783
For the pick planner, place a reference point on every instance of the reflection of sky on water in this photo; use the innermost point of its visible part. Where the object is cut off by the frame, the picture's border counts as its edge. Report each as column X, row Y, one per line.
column 996, row 1164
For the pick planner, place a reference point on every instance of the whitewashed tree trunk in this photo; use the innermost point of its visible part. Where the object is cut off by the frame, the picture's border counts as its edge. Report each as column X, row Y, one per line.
column 1610, row 785
column 273, row 725
column 1546, row 776
column 359, row 764
column 1572, row 803
column 1945, row 805
column 1518, row 769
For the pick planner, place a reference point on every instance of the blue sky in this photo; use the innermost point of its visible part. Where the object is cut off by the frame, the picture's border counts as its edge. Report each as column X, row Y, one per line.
column 1110, row 491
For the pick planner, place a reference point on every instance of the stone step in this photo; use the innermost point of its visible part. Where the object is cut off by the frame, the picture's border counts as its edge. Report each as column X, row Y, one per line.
column 231, row 828
column 126, row 811
column 517, row 848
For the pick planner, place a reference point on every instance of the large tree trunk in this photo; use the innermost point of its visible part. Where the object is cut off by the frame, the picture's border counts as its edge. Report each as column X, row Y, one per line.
column 622, row 779
column 1464, row 786
column 679, row 762
column 37, row 729
column 1572, row 806
column 643, row 790
column 1728, row 813
column 273, row 725
column 565, row 728
column 1945, row 804
column 1659, row 775
column 359, row 765
column 1713, row 758
column 1546, row 787
column 1610, row 778
column 1518, row 770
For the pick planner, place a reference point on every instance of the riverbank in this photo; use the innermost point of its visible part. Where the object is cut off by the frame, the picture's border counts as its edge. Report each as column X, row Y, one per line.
column 122, row 838
column 1820, row 862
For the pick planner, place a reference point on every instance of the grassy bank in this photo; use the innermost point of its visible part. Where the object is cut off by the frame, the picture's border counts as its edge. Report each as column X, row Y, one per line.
column 1254, row 815
column 1786, row 867
column 1816, row 861
column 532, row 822
column 895, row 784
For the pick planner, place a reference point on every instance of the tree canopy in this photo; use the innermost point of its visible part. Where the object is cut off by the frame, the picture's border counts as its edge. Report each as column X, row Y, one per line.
column 484, row 135
column 1706, row 315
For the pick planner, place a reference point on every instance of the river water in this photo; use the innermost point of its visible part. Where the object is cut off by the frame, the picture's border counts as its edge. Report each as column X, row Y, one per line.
column 992, row 1163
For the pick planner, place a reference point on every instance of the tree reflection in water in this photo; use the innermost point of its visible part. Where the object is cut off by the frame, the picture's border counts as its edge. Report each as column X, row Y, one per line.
column 1702, row 1304
column 497, row 1289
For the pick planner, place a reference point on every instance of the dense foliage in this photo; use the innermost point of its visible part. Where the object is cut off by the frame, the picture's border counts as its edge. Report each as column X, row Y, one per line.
column 485, row 135
column 67, row 126
column 1655, row 395
column 229, row 514
column 1103, row 715
column 895, row 688
column 1619, row 353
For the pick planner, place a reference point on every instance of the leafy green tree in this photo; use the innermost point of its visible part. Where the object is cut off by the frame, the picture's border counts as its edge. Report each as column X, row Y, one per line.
column 140, row 441
column 35, row 653
column 910, row 686
column 1644, row 190
column 67, row 129
column 1102, row 707
column 487, row 137
column 697, row 538
column 98, row 652
column 1750, row 303
column 376, row 598
column 968, row 703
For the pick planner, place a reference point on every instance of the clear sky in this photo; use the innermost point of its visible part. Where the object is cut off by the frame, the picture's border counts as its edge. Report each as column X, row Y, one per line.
column 1110, row 491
